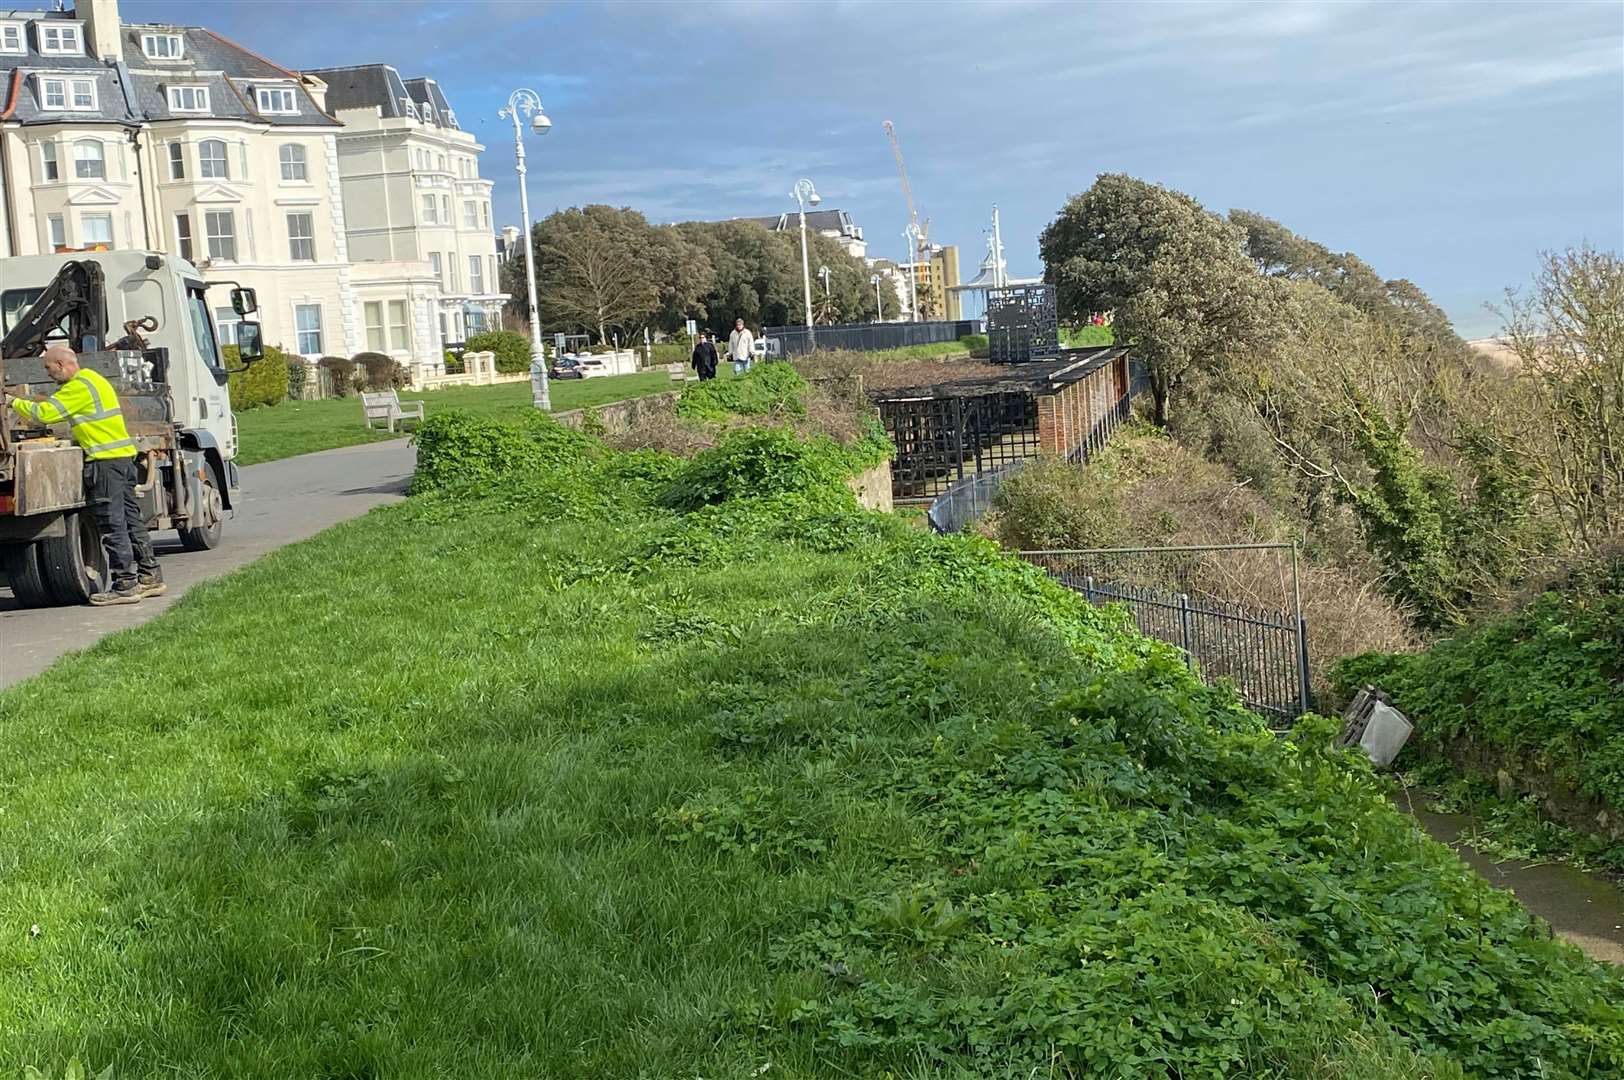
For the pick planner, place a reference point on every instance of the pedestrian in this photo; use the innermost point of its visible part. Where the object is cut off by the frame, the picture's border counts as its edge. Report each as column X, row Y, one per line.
column 89, row 404
column 705, row 358
column 741, row 346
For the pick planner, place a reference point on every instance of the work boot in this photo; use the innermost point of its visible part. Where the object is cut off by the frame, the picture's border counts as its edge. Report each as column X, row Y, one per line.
column 123, row 592
column 150, row 584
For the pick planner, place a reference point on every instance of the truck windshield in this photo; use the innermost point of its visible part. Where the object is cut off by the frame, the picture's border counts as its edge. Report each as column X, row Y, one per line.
column 14, row 304
column 203, row 332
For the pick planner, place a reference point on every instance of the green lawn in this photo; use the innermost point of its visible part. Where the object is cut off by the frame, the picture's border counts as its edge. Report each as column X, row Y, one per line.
column 301, row 427
column 552, row 782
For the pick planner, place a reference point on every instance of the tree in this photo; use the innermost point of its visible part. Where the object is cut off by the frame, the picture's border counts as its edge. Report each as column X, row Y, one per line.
column 1183, row 290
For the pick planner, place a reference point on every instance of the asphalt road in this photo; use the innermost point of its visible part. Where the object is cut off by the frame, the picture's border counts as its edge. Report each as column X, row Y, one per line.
column 280, row 502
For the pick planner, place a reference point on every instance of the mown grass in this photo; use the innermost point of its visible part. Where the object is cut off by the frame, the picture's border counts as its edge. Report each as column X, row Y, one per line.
column 550, row 781
column 303, row 427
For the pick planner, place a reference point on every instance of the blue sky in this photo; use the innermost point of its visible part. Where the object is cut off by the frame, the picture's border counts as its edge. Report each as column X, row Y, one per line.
column 1447, row 143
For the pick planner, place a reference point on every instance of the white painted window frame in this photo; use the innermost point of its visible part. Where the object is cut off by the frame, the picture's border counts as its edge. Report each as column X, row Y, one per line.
column 200, row 99
column 150, row 40
column 279, row 94
column 46, row 29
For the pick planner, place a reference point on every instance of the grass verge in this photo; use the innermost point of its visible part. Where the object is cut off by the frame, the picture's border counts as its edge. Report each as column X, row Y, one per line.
column 549, row 779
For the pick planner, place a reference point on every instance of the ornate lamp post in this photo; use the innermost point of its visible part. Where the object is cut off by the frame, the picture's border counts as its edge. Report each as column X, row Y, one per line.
column 912, row 235
column 528, row 103
column 879, row 308
column 805, row 193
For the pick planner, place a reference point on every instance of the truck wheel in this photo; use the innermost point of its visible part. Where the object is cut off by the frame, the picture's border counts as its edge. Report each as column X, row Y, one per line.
column 75, row 565
column 206, row 536
column 21, row 564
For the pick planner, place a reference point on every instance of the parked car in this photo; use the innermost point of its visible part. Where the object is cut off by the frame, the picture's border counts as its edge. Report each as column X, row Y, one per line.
column 566, row 367
column 591, row 367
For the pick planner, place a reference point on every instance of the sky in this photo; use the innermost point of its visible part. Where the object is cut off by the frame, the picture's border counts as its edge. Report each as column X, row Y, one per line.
column 1447, row 143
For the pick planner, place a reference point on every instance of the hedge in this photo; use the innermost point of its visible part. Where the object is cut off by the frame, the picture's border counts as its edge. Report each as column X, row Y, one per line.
column 512, row 350
column 264, row 382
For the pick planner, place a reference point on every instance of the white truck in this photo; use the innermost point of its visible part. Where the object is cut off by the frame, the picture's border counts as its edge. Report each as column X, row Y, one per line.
column 141, row 319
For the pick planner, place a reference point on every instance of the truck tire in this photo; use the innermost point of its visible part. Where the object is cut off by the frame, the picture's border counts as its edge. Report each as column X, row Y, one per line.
column 206, row 535
column 75, row 566
column 21, row 564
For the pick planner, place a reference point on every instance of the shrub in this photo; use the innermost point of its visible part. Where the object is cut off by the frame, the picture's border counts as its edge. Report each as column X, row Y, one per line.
column 763, row 462
column 297, row 374
column 340, row 371
column 264, row 382
column 767, row 390
column 976, row 343
column 512, row 350
column 382, row 371
column 671, row 352
column 458, row 448
column 453, row 363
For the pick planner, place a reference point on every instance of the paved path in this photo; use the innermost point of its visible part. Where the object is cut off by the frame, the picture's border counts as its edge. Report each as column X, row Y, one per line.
column 280, row 502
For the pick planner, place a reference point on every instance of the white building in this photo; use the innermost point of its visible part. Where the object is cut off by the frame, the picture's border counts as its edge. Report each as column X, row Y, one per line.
column 173, row 138
column 835, row 224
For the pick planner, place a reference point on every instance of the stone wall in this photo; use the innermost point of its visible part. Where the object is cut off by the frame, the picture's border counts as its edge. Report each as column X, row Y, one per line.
column 873, row 487
column 617, row 416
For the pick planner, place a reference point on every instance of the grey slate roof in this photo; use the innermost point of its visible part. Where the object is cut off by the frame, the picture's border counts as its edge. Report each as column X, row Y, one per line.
column 230, row 71
column 363, row 85
column 20, row 97
column 427, row 92
column 835, row 221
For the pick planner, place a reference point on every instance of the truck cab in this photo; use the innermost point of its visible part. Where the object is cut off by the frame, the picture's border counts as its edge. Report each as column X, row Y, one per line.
column 141, row 319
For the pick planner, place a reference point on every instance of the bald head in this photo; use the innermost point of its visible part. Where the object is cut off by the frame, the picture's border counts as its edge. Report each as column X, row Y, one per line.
column 61, row 363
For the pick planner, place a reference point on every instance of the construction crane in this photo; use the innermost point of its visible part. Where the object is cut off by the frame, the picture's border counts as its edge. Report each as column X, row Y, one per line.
column 907, row 193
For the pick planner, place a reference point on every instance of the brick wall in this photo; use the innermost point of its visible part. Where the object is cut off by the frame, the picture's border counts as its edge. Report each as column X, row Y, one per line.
column 1067, row 418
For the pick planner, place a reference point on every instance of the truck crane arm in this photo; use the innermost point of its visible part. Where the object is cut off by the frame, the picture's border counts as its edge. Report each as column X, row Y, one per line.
column 71, row 308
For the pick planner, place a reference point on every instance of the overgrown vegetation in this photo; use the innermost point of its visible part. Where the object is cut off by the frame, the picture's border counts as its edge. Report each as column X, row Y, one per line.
column 1540, row 690
column 740, row 781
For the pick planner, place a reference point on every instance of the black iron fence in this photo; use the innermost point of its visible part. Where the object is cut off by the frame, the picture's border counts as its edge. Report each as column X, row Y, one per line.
column 864, row 337
column 1263, row 651
column 941, row 440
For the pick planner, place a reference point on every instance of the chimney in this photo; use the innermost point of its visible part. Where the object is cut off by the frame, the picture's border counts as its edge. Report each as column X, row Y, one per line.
column 102, row 27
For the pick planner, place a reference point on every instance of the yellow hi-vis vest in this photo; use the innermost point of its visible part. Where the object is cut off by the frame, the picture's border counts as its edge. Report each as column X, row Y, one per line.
column 89, row 404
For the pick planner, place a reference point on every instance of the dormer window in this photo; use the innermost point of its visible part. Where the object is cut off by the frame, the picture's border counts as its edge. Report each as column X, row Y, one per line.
column 189, row 99
column 67, row 95
column 11, row 38
column 161, row 46
column 450, row 119
column 60, row 39
column 276, row 99
column 411, row 110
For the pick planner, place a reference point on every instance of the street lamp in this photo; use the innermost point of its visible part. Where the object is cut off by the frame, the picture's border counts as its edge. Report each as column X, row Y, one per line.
column 879, row 308
column 912, row 235
column 805, row 193
column 828, row 308
column 528, row 102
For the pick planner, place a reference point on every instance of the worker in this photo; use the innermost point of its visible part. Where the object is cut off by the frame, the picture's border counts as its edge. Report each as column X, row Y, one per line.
column 89, row 404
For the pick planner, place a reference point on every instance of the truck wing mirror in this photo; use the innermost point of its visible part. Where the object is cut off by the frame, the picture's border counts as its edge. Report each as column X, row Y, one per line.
column 250, row 343
column 244, row 301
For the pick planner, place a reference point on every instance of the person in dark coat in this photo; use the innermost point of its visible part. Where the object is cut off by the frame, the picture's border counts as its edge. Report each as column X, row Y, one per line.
column 705, row 358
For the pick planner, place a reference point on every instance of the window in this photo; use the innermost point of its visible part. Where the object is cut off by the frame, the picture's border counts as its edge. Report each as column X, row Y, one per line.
column 470, row 215
column 60, row 40
column 203, row 333
column 434, row 267
column 496, row 282
column 47, row 161
column 476, row 322
column 11, row 37
column 96, row 229
column 445, row 209
column 372, row 311
column 177, row 161
column 399, row 331
column 194, row 99
column 161, row 46
column 58, row 227
column 476, row 275
column 78, row 95
column 450, row 118
column 451, row 274
column 276, row 99
column 307, row 321
column 411, row 110
column 293, row 161
column 228, row 321
column 440, row 162
column 211, row 160
column 302, row 237
column 485, row 215
column 88, row 162
column 183, row 236
column 429, row 217
column 221, row 230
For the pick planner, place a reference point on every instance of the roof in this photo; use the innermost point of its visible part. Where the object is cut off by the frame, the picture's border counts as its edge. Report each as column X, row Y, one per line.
column 835, row 221
column 1038, row 376
column 380, row 86
column 20, row 92
column 231, row 72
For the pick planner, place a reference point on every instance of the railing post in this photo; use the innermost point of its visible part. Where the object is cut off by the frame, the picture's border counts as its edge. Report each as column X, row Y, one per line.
column 1088, row 588
column 1184, row 628
column 1302, row 663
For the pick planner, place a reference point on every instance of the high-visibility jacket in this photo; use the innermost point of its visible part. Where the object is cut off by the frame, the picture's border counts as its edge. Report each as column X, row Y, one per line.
column 89, row 404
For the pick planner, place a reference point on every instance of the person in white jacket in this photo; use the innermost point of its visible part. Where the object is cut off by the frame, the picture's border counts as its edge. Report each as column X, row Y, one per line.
column 741, row 346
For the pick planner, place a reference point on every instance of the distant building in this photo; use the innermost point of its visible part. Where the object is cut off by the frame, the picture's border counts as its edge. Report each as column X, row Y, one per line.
column 835, row 224
column 936, row 278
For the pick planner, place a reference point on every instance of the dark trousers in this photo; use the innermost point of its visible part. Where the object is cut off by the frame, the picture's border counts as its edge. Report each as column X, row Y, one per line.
column 706, row 372
column 110, row 485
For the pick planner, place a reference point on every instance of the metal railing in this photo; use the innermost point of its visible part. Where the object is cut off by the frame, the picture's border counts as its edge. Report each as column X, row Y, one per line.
column 865, row 337
column 1263, row 651
column 968, row 500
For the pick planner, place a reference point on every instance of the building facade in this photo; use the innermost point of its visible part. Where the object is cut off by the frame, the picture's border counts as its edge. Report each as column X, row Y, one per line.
column 835, row 224
column 172, row 138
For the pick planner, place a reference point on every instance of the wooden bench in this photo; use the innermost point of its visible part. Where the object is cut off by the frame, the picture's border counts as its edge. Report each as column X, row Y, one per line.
column 388, row 407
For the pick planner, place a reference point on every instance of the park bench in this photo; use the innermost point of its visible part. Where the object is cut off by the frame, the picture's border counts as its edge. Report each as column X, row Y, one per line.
column 388, row 407
column 679, row 372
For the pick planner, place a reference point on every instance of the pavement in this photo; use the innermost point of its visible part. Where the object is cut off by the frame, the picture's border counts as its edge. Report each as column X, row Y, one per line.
column 280, row 502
